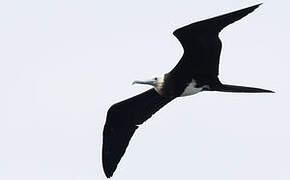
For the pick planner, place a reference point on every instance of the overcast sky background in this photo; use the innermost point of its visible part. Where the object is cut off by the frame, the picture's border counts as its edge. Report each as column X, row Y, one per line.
column 63, row 63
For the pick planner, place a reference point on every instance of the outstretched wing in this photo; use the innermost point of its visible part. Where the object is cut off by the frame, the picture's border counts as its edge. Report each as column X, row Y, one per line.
column 202, row 46
column 121, row 123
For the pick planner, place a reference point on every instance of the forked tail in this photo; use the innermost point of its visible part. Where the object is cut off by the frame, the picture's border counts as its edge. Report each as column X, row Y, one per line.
column 241, row 89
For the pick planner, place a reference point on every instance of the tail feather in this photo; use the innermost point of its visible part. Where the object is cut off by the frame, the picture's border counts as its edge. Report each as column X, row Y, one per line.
column 241, row 89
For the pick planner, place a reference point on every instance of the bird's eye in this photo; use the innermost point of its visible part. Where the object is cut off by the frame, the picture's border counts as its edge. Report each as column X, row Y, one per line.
column 155, row 79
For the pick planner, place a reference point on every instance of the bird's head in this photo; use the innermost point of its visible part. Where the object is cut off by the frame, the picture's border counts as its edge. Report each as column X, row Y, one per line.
column 155, row 82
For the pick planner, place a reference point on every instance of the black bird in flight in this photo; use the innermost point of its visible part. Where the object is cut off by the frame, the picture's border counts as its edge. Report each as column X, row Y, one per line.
column 196, row 71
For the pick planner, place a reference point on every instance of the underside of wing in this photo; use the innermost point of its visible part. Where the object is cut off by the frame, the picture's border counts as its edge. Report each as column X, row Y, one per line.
column 202, row 46
column 121, row 123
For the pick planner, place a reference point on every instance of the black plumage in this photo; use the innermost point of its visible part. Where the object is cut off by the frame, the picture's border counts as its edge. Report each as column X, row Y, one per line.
column 123, row 119
column 202, row 48
column 200, row 62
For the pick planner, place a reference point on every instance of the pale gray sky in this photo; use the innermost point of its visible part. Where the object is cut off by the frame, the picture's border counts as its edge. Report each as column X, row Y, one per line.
column 63, row 63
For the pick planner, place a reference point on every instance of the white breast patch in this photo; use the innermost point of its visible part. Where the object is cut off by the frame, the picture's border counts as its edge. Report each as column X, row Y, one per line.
column 191, row 89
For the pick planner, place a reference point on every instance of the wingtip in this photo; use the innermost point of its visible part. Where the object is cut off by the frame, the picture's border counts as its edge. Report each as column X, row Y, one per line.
column 256, row 6
column 109, row 168
column 108, row 175
column 109, row 172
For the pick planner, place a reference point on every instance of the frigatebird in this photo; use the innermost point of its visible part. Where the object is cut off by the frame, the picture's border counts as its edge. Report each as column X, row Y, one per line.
column 196, row 71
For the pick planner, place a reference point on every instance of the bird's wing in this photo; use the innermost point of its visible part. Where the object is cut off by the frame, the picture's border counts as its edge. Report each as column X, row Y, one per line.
column 121, row 123
column 202, row 46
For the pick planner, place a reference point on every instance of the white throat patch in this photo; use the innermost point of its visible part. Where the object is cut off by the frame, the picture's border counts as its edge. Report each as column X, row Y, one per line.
column 159, row 83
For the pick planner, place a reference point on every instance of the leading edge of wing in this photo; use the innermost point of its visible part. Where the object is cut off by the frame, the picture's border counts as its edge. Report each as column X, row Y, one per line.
column 121, row 123
column 215, row 24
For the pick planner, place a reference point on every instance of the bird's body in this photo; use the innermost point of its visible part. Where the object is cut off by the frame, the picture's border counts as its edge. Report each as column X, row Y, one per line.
column 192, row 88
column 166, row 87
column 196, row 71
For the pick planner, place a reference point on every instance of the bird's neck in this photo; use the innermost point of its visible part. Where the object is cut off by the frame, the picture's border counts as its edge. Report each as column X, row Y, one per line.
column 165, row 86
